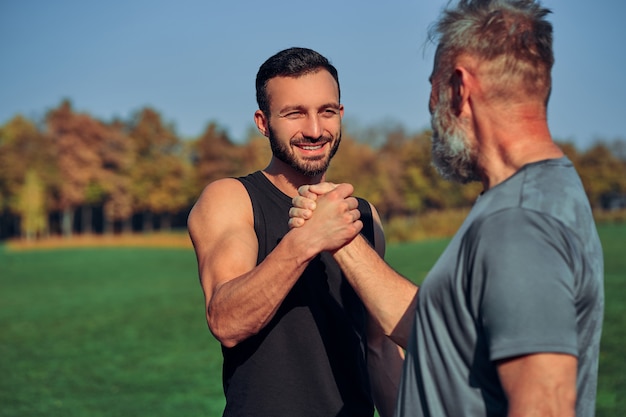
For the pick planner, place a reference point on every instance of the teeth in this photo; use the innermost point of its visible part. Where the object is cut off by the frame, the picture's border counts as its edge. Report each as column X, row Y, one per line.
column 311, row 148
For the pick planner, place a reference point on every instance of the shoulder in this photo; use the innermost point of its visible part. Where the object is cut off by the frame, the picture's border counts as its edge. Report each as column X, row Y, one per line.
column 520, row 239
column 222, row 199
column 222, row 191
column 513, row 224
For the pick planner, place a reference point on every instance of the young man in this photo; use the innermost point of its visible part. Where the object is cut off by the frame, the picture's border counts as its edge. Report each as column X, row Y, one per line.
column 296, row 339
column 508, row 321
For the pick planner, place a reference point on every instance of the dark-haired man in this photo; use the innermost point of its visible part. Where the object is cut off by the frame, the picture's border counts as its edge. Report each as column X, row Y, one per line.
column 296, row 339
column 508, row 321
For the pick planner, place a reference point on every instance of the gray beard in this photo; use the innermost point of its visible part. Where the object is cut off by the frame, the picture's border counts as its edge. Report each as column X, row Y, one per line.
column 451, row 155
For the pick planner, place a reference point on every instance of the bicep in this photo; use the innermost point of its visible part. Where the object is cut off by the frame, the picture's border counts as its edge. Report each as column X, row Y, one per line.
column 221, row 229
column 539, row 384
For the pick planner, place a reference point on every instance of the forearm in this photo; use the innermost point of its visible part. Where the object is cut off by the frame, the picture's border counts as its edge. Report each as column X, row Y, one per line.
column 389, row 297
column 385, row 363
column 241, row 307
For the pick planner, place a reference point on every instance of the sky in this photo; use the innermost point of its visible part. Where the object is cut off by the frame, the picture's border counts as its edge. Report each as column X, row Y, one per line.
column 195, row 61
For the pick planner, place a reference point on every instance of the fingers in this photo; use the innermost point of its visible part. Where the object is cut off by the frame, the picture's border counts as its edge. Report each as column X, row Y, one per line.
column 352, row 203
column 302, row 213
column 304, row 203
column 358, row 225
column 296, row 222
column 305, row 193
column 307, row 202
column 355, row 214
column 312, row 191
column 297, row 216
column 343, row 190
column 330, row 220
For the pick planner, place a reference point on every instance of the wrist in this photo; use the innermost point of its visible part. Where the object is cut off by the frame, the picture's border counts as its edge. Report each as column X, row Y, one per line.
column 301, row 246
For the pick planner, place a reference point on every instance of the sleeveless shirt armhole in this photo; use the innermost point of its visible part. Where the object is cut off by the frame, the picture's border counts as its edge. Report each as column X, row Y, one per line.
column 364, row 208
column 367, row 219
column 249, row 182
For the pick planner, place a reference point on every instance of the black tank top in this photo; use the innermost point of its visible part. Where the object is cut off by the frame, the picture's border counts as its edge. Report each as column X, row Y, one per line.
column 310, row 360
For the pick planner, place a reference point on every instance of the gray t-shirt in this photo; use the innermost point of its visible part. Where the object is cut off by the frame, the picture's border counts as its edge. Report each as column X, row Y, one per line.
column 524, row 274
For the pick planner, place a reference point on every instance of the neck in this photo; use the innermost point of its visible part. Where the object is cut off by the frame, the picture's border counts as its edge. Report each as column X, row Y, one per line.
column 287, row 179
column 510, row 138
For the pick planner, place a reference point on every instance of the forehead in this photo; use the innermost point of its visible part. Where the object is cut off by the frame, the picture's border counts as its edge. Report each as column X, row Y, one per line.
column 306, row 90
column 436, row 63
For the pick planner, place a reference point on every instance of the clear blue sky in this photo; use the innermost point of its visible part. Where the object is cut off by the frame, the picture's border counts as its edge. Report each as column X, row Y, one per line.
column 195, row 61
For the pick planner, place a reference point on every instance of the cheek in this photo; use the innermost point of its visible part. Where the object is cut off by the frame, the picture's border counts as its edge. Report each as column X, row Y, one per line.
column 333, row 127
column 282, row 129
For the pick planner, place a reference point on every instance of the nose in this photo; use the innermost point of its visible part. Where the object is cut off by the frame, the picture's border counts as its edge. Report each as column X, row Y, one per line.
column 312, row 128
column 432, row 103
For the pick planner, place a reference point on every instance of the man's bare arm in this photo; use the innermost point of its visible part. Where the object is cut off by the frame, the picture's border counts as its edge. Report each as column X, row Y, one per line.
column 241, row 297
column 389, row 297
column 385, row 358
column 542, row 385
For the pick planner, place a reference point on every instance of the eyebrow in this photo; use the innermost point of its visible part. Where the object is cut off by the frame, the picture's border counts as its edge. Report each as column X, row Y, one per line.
column 332, row 105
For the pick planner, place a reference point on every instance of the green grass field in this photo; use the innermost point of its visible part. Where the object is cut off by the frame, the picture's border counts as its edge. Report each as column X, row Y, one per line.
column 121, row 332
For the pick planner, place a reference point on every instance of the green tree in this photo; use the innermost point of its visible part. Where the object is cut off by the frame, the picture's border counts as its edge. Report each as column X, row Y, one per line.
column 24, row 147
column 31, row 206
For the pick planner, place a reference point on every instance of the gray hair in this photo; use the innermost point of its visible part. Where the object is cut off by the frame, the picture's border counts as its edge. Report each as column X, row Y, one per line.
column 512, row 37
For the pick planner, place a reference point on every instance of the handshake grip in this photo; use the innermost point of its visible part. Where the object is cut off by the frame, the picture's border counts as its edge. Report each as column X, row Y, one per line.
column 328, row 212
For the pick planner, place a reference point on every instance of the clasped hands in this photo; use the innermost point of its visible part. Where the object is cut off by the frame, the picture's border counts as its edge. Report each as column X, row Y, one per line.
column 329, row 211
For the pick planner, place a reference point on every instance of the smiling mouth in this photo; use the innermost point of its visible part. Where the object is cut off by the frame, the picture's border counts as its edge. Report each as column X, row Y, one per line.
column 311, row 147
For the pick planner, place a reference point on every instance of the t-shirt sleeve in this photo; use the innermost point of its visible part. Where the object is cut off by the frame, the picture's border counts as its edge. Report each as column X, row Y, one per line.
column 522, row 284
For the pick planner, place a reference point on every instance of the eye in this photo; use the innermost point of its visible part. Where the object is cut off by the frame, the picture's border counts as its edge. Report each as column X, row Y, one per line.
column 293, row 115
column 330, row 112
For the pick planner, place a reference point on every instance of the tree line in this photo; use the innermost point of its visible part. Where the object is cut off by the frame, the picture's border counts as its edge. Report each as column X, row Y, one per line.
column 72, row 173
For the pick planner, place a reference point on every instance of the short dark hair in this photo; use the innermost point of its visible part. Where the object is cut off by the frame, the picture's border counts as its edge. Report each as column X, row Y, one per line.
column 291, row 62
column 512, row 36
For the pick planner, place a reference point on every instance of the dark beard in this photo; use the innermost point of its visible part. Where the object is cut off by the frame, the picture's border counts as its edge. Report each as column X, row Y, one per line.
column 310, row 168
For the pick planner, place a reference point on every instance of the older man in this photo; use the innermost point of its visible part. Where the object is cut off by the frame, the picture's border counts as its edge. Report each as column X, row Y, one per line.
column 508, row 321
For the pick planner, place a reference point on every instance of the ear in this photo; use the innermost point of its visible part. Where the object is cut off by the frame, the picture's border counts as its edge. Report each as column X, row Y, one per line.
column 460, row 84
column 261, row 123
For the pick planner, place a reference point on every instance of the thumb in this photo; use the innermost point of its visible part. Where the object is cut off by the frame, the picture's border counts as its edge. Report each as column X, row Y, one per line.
column 321, row 188
column 344, row 190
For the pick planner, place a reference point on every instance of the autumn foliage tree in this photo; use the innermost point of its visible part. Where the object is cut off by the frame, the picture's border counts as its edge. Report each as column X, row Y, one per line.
column 114, row 179
column 603, row 174
column 77, row 139
column 214, row 156
column 157, row 174
column 74, row 173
